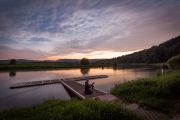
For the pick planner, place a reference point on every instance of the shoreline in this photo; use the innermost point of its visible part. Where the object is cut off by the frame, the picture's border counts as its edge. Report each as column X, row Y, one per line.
column 56, row 66
column 159, row 92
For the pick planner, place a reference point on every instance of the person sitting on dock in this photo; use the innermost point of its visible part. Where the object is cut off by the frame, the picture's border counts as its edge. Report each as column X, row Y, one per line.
column 88, row 87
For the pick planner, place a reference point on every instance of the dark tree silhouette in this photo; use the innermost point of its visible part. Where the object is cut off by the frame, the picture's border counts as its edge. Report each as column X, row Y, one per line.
column 12, row 61
column 85, row 70
column 155, row 54
column 84, row 61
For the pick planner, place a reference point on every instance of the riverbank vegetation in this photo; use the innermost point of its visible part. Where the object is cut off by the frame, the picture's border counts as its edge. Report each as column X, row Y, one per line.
column 159, row 92
column 35, row 66
column 174, row 62
column 23, row 64
column 155, row 54
column 50, row 66
column 44, row 66
column 70, row 110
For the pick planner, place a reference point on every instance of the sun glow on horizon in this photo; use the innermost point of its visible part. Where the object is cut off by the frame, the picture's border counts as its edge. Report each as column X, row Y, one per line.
column 92, row 55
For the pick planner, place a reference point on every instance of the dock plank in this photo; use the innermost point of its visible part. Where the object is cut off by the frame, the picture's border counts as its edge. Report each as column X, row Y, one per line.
column 78, row 89
column 54, row 81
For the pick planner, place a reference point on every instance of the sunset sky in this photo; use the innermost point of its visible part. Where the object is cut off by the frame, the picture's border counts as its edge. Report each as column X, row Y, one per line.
column 57, row 29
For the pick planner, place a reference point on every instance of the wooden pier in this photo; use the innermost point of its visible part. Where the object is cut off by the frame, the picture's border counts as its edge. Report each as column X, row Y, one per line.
column 72, row 85
column 78, row 89
column 54, row 81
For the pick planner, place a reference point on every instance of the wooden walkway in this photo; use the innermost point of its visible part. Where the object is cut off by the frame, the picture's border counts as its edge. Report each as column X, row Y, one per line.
column 78, row 90
column 54, row 81
column 147, row 114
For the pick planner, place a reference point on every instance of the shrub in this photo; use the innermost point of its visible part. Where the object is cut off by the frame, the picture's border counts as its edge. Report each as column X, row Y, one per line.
column 12, row 61
column 174, row 62
column 84, row 61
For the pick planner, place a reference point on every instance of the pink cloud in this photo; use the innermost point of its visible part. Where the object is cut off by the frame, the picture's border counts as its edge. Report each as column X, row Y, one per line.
column 8, row 53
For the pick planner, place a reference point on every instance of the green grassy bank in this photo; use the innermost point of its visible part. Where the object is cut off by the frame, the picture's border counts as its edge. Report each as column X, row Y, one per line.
column 36, row 66
column 159, row 92
column 43, row 66
column 47, row 66
column 174, row 62
column 70, row 110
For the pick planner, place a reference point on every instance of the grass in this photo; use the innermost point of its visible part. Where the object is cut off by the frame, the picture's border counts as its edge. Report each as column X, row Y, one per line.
column 70, row 110
column 174, row 62
column 36, row 66
column 159, row 92
column 43, row 66
column 49, row 66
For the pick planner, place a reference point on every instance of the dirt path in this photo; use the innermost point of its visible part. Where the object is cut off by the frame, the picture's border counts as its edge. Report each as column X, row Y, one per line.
column 147, row 114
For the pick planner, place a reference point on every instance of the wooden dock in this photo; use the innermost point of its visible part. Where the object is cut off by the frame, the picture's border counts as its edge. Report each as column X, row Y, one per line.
column 78, row 90
column 54, row 81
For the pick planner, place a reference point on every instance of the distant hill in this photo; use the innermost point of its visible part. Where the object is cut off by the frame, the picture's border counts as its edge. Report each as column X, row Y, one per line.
column 20, row 61
column 77, row 60
column 68, row 60
column 4, row 61
column 155, row 54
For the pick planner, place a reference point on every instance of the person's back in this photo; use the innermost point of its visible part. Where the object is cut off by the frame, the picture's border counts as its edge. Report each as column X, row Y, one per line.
column 88, row 87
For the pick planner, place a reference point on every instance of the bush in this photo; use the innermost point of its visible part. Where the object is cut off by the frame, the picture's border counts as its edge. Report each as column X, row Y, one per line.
column 84, row 61
column 12, row 61
column 174, row 62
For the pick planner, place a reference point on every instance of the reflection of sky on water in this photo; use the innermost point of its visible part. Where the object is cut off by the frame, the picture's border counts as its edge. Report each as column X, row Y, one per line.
column 10, row 98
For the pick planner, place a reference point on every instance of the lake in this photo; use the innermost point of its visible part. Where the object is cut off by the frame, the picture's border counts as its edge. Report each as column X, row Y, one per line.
column 22, row 97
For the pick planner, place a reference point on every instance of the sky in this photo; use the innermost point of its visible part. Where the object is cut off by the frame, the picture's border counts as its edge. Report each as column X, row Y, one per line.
column 58, row 29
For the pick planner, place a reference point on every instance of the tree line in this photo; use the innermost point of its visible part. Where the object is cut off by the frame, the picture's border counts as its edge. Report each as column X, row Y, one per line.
column 155, row 54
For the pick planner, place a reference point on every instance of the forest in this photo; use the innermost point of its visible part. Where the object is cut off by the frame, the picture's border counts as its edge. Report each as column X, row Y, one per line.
column 155, row 54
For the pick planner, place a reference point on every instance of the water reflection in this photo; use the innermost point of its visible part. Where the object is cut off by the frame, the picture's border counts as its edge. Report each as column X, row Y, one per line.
column 12, row 73
column 85, row 70
column 115, row 67
column 102, row 67
column 28, row 96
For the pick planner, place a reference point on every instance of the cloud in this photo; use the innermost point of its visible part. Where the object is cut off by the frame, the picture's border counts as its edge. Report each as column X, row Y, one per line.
column 9, row 53
column 38, row 39
column 64, row 27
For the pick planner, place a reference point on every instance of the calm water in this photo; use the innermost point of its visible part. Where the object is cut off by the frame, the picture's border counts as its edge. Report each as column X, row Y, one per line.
column 12, row 98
